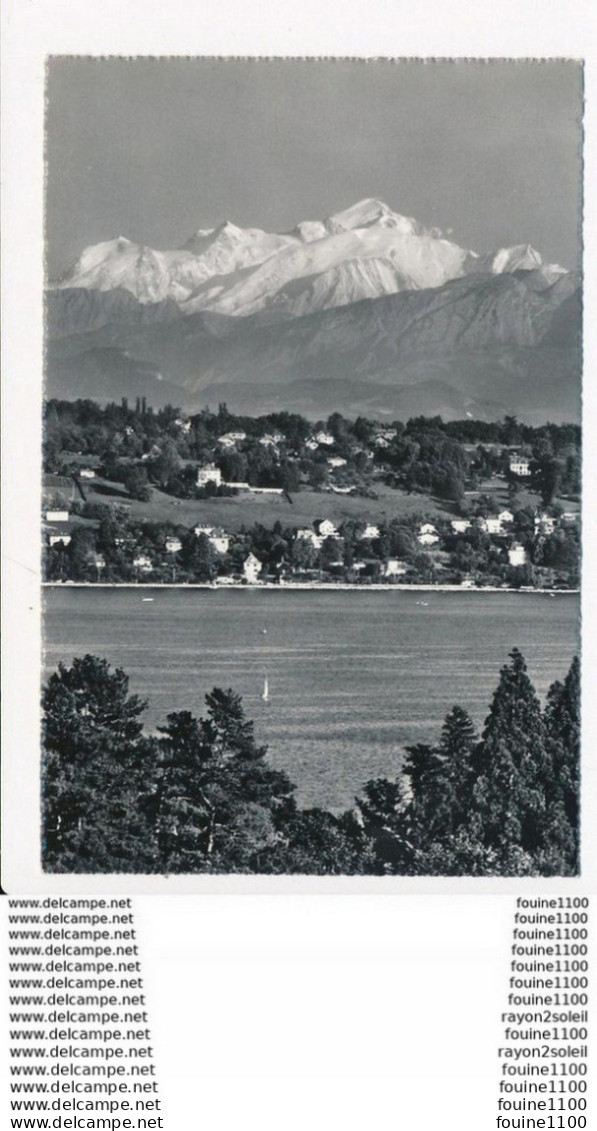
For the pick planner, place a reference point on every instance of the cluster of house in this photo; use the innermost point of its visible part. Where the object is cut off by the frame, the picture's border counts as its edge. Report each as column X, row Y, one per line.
column 324, row 528
column 517, row 555
column 217, row 538
column 269, row 440
column 210, row 473
column 520, row 465
column 498, row 524
column 59, row 527
column 272, row 439
column 318, row 439
column 59, row 531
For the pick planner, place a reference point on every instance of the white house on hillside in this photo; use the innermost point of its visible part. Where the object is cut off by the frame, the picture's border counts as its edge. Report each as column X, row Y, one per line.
column 173, row 545
column 143, row 563
column 209, row 474
column 271, row 439
column 545, row 523
column 491, row 525
column 395, row 568
column 370, row 531
column 428, row 535
column 324, row 438
column 217, row 538
column 251, row 569
column 57, row 516
column 229, row 439
column 220, row 541
column 305, row 534
column 460, row 525
column 520, row 465
column 326, row 529
column 517, row 555
column 87, row 473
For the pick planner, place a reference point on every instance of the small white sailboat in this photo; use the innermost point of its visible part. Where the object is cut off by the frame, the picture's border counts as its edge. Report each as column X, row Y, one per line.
column 265, row 692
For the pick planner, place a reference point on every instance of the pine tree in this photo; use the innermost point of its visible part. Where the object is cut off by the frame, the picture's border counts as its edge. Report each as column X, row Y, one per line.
column 562, row 723
column 513, row 766
column 424, row 767
column 384, row 811
column 185, row 812
column 455, row 775
column 221, row 803
column 441, row 838
column 98, row 772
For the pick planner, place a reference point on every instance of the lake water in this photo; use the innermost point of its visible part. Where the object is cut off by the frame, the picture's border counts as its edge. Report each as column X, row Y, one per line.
column 353, row 676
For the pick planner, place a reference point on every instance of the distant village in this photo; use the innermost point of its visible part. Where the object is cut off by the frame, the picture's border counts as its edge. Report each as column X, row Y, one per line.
column 137, row 496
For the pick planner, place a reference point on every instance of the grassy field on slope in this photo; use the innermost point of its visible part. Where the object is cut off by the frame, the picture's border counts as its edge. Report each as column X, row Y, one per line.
column 247, row 509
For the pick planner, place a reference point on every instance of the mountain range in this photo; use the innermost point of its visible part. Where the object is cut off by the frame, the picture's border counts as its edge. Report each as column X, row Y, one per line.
column 364, row 312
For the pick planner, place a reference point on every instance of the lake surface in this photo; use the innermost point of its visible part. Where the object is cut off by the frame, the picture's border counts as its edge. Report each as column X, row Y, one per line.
column 353, row 676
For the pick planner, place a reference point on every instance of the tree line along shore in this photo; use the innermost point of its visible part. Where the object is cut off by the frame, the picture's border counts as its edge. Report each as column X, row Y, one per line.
column 133, row 495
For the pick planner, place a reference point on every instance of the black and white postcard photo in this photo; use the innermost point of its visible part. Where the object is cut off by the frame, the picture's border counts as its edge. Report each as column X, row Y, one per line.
column 311, row 495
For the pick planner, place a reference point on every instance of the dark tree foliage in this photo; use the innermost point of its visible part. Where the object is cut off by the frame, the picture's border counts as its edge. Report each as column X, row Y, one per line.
column 383, row 809
column 436, row 819
column 198, row 557
column 513, row 766
column 136, row 482
column 562, row 724
column 98, row 772
column 202, row 796
column 503, row 805
column 316, row 842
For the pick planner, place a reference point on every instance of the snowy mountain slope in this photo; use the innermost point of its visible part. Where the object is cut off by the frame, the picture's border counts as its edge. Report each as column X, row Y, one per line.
column 366, row 310
column 348, row 282
column 228, row 248
column 424, row 261
column 318, row 265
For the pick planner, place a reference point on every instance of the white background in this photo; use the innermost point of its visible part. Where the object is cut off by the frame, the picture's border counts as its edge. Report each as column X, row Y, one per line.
column 310, row 1013
column 33, row 29
column 307, row 1012
column 273, row 1011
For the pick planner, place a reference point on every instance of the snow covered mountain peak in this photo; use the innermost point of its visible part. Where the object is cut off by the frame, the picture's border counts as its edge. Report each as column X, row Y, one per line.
column 372, row 212
column 363, row 251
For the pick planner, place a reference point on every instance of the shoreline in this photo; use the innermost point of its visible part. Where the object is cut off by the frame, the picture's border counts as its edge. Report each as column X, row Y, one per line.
column 305, row 585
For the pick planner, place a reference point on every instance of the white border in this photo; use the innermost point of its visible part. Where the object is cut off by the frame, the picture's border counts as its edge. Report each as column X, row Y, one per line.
column 32, row 29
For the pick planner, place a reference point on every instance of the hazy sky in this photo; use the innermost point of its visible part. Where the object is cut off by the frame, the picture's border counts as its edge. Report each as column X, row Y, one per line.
column 153, row 149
